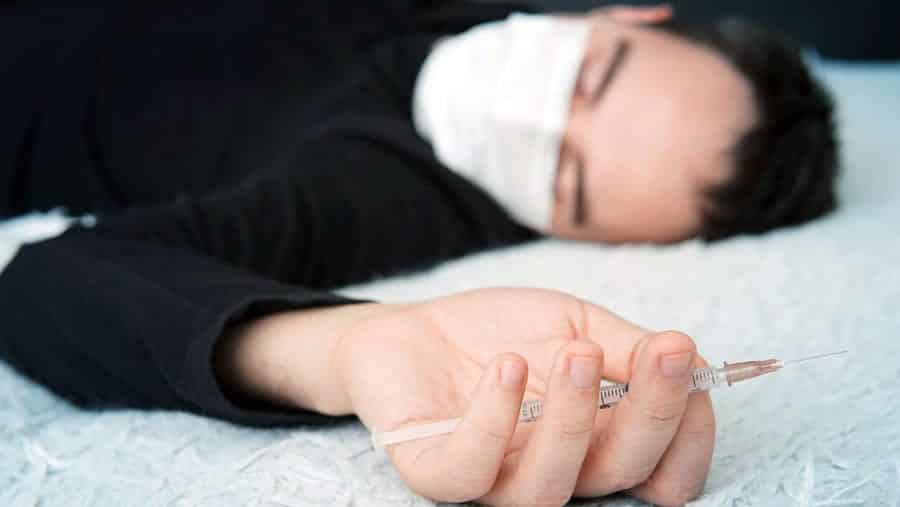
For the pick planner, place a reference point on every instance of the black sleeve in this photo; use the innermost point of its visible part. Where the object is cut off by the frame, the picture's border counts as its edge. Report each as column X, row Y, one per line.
column 128, row 312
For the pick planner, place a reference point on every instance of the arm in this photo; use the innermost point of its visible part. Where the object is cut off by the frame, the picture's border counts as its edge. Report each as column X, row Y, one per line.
column 130, row 312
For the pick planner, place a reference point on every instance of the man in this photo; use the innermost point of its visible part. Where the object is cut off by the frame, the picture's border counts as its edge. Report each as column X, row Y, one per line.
column 244, row 159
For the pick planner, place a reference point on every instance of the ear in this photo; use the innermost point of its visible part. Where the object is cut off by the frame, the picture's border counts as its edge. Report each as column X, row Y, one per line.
column 644, row 15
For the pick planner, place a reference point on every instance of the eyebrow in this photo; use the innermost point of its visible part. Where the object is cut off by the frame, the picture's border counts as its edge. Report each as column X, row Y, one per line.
column 623, row 46
column 621, row 51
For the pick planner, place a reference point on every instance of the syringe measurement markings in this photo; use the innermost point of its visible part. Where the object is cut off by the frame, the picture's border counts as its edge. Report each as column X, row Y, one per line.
column 701, row 377
column 613, row 394
column 610, row 395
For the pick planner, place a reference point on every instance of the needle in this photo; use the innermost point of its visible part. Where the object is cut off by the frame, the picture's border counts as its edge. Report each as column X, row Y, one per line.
column 810, row 358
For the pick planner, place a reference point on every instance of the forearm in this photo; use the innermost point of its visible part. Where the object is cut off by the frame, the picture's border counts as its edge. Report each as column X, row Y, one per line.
column 288, row 358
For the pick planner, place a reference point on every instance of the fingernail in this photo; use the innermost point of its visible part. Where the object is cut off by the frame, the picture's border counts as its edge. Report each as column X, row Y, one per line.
column 583, row 370
column 676, row 365
column 511, row 373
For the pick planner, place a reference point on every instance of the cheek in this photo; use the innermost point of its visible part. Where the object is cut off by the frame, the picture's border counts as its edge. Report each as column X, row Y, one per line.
column 625, row 161
column 663, row 208
column 638, row 191
column 628, row 195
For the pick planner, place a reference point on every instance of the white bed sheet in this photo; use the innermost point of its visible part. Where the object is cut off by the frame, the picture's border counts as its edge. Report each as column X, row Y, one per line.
column 825, row 434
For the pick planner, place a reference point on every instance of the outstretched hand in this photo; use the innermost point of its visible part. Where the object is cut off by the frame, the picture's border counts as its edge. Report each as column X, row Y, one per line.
column 477, row 354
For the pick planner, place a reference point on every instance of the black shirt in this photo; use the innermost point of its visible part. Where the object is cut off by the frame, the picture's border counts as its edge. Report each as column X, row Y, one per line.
column 242, row 158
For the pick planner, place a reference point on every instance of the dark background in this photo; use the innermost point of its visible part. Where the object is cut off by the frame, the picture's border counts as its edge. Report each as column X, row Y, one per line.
column 862, row 29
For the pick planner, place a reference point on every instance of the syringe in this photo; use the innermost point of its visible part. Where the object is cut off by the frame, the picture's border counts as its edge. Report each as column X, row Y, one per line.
column 702, row 379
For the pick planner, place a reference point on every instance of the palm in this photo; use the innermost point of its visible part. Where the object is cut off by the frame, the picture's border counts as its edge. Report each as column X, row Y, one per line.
column 459, row 337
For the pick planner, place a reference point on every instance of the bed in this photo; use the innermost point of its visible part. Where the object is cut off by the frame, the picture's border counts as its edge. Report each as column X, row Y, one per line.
column 821, row 434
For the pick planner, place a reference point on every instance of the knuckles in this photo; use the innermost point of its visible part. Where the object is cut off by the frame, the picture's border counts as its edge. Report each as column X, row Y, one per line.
column 458, row 488
column 662, row 415
column 488, row 434
column 575, row 430
column 544, row 498
column 672, row 493
column 626, row 480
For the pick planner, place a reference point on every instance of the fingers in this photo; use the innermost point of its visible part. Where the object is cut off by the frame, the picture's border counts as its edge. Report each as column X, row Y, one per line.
column 465, row 466
column 547, row 470
column 617, row 336
column 637, row 15
column 684, row 467
column 645, row 422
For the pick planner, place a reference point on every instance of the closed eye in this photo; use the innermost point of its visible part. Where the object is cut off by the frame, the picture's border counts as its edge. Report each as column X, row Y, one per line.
column 620, row 53
column 580, row 214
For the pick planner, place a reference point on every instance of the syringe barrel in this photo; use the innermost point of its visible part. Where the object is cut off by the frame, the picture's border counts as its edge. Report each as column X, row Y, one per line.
column 611, row 394
column 702, row 379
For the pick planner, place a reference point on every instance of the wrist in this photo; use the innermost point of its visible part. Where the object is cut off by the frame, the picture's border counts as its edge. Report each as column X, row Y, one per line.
column 290, row 358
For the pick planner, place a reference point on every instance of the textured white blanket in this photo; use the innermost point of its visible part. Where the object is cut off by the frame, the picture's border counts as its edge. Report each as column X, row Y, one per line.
column 826, row 434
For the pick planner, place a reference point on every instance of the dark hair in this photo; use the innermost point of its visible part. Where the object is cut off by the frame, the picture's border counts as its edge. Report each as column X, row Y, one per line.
column 787, row 163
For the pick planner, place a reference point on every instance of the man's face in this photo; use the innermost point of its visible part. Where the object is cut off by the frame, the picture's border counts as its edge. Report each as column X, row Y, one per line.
column 651, row 126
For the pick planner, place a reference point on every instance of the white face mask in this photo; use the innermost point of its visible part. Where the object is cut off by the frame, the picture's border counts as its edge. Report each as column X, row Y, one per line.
column 494, row 103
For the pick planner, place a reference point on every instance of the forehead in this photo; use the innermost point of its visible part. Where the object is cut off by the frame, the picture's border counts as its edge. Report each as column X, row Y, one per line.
column 686, row 83
column 681, row 100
